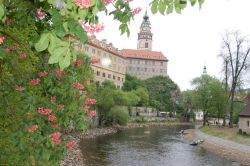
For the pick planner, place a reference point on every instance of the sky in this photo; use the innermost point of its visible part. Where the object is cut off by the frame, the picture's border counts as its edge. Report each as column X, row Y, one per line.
column 189, row 40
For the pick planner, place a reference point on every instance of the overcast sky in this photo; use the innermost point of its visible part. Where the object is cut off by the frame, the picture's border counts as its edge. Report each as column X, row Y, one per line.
column 189, row 40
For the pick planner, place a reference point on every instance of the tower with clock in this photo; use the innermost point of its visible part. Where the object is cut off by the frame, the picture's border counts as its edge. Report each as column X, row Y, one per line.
column 144, row 41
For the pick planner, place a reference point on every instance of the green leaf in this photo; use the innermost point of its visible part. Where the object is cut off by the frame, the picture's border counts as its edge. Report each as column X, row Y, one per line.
column 57, row 22
column 162, row 7
column 45, row 154
column 193, row 2
column 201, row 2
column 154, row 6
column 83, row 13
column 43, row 42
column 170, row 9
column 57, row 54
column 1, row 53
column 65, row 62
column 77, row 30
column 1, row 11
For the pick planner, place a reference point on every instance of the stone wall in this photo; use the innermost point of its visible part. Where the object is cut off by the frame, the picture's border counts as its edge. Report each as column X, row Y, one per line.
column 243, row 124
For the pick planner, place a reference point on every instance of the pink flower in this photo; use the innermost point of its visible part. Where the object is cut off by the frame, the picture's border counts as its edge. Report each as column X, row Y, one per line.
column 128, row 1
column 42, row 74
column 23, row 56
column 44, row 111
column 106, row 2
column 53, row 99
column 86, row 107
column 78, row 63
column 92, row 28
column 71, row 144
column 55, row 137
column 59, row 73
column 95, row 60
column 60, row 106
column 78, row 86
column 34, row 82
column 19, row 88
column 51, row 118
column 2, row 39
column 54, row 126
column 41, row 15
column 90, row 101
column 136, row 11
column 92, row 114
column 33, row 128
column 83, row 3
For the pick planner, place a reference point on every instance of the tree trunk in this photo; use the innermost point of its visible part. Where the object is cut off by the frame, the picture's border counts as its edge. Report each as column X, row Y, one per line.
column 204, row 118
column 232, row 107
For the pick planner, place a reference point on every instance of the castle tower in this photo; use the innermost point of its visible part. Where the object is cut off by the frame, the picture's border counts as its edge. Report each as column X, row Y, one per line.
column 145, row 36
column 205, row 70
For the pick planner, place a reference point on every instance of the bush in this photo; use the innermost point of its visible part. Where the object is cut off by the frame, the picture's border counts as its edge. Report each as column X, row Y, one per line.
column 140, row 119
column 117, row 116
column 240, row 131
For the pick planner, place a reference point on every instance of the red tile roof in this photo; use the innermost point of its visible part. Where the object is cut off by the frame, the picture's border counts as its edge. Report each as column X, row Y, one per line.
column 143, row 54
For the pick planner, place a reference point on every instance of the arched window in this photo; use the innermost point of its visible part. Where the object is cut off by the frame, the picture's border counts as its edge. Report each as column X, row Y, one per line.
column 146, row 45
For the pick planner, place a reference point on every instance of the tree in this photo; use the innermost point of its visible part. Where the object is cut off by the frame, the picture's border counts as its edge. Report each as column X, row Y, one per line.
column 132, row 83
column 209, row 99
column 142, row 93
column 235, row 51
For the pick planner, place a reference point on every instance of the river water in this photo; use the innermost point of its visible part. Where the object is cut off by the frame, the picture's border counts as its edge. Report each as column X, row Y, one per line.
column 154, row 146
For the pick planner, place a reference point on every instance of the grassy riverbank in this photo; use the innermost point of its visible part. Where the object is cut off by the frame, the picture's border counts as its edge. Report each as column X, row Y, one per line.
column 226, row 133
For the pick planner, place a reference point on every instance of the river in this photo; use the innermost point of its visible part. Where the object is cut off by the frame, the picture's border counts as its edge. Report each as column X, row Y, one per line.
column 154, row 146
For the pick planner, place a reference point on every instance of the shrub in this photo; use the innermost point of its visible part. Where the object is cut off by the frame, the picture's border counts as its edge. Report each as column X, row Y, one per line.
column 240, row 131
column 117, row 116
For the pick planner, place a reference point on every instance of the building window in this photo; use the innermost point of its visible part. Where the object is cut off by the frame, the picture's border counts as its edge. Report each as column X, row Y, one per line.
column 129, row 68
column 97, row 73
column 109, row 75
column 146, row 45
column 146, row 62
column 113, row 77
column 153, row 70
column 130, row 61
column 86, row 48
column 145, row 69
column 99, row 53
column 161, row 63
column 103, row 74
column 248, row 123
column 138, row 68
column 118, row 78
column 161, row 70
column 153, row 62
column 138, row 61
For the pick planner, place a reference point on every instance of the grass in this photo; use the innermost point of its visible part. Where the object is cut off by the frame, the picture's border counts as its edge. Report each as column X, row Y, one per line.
column 227, row 133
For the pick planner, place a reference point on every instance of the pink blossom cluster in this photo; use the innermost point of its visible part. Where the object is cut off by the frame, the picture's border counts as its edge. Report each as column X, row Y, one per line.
column 60, row 106
column 92, row 114
column 53, row 99
column 23, row 56
column 44, row 111
column 128, row 1
column 86, row 107
column 40, row 15
column 95, row 60
column 92, row 28
column 54, row 126
column 42, row 74
column 71, row 144
column 83, row 3
column 33, row 128
column 90, row 101
column 55, row 137
column 136, row 11
column 78, row 63
column 2, row 39
column 107, row 2
column 19, row 88
column 51, row 118
column 78, row 86
column 34, row 82
column 59, row 73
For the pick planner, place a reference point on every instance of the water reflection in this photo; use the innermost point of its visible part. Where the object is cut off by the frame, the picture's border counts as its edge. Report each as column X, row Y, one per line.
column 157, row 146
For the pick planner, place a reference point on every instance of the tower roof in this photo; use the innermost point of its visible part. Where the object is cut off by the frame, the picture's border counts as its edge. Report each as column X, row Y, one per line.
column 145, row 22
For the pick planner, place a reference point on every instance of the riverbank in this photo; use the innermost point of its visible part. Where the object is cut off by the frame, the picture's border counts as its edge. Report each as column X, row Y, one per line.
column 230, row 150
column 74, row 157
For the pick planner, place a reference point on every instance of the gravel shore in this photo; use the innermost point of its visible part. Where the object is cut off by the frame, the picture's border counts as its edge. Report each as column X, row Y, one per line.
column 228, row 149
column 74, row 157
